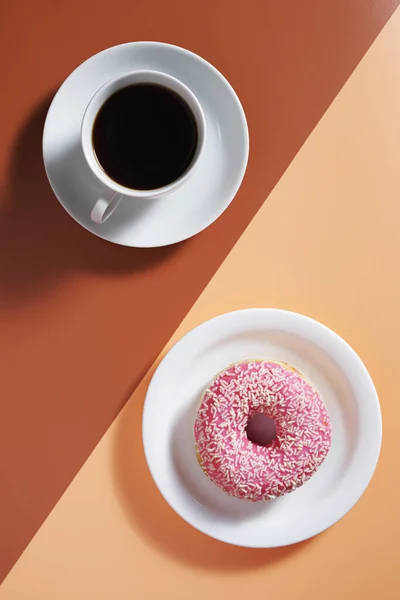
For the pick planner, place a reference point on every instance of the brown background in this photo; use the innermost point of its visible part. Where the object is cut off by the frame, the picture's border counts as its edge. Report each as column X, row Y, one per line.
column 82, row 320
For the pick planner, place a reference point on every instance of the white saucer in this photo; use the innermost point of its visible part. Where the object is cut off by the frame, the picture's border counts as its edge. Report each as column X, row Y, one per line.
column 345, row 386
column 159, row 222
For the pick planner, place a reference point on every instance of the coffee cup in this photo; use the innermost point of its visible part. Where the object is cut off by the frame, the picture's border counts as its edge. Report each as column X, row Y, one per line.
column 142, row 136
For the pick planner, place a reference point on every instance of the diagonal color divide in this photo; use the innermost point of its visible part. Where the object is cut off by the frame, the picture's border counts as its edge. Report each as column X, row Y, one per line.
column 326, row 244
column 81, row 320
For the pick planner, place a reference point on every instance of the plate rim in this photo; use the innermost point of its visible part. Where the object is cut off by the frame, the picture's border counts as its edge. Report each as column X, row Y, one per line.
column 260, row 313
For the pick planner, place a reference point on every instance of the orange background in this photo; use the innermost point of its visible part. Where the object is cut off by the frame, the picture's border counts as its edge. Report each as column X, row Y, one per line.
column 325, row 243
column 287, row 60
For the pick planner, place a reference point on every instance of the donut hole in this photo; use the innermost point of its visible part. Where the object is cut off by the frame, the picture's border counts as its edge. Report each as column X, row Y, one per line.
column 261, row 429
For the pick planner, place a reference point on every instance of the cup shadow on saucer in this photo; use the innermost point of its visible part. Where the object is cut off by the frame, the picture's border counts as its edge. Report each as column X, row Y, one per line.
column 150, row 515
column 74, row 162
column 40, row 244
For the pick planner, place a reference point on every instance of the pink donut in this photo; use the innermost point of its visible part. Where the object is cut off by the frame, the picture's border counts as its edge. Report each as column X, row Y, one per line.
column 247, row 470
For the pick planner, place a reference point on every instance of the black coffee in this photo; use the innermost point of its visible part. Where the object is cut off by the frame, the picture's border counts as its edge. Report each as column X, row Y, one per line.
column 145, row 136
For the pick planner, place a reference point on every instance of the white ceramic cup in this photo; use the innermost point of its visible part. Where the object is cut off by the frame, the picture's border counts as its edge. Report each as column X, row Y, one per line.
column 113, row 193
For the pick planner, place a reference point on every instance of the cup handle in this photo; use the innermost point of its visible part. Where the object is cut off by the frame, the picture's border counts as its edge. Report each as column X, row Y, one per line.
column 104, row 207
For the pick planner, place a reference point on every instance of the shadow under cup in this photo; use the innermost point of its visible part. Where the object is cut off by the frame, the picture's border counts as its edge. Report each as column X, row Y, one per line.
column 142, row 135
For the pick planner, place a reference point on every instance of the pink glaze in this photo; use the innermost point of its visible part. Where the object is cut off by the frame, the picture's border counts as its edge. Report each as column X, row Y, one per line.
column 303, row 430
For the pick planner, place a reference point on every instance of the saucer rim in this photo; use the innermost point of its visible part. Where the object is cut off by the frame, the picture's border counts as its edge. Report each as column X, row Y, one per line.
column 235, row 181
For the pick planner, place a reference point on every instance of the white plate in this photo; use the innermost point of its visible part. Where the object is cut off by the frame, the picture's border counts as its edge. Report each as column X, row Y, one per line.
column 324, row 358
column 162, row 221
